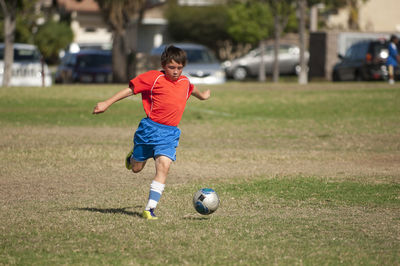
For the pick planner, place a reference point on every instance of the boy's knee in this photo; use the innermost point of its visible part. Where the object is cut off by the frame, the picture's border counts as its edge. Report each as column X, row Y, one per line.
column 163, row 163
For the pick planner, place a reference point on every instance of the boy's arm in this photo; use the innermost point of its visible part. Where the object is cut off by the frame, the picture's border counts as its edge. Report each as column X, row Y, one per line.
column 201, row 95
column 101, row 107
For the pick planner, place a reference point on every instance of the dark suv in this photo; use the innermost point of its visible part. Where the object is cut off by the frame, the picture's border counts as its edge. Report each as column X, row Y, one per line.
column 363, row 61
column 86, row 66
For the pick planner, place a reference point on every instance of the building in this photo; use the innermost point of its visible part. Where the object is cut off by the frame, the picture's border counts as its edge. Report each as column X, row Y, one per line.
column 90, row 29
column 373, row 16
column 86, row 21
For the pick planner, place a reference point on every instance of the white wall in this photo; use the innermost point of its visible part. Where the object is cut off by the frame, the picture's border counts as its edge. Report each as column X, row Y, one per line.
column 374, row 16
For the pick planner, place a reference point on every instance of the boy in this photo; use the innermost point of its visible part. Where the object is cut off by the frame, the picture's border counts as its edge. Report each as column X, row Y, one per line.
column 164, row 96
column 393, row 58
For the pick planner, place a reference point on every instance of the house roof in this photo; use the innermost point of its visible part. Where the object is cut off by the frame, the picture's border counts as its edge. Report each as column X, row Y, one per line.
column 82, row 5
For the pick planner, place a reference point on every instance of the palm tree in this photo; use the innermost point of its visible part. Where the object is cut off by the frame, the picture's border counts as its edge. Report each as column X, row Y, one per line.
column 9, row 9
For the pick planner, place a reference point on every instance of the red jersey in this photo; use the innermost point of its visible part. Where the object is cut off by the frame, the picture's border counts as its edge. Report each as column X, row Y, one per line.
column 163, row 100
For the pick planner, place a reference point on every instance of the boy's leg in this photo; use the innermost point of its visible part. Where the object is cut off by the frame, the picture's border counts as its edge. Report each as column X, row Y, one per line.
column 391, row 74
column 162, row 167
column 136, row 159
column 157, row 186
column 137, row 166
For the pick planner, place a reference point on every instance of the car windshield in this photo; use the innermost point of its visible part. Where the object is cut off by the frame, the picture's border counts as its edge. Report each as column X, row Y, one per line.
column 94, row 60
column 357, row 51
column 23, row 54
column 269, row 50
column 198, row 56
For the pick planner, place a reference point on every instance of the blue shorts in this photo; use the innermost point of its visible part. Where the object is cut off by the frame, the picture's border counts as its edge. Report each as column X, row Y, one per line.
column 153, row 139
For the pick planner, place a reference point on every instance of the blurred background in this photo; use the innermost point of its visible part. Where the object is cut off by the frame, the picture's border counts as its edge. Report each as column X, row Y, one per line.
column 99, row 41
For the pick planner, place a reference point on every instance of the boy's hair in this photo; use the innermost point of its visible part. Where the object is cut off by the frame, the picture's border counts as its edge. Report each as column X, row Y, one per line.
column 393, row 38
column 173, row 53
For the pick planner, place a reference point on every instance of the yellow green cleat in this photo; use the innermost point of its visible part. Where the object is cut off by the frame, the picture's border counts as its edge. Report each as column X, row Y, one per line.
column 128, row 164
column 149, row 215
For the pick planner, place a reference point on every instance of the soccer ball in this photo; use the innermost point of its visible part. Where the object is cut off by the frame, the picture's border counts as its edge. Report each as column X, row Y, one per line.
column 205, row 201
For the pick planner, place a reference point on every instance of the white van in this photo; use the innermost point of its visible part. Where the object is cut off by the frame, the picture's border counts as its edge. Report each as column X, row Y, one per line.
column 27, row 68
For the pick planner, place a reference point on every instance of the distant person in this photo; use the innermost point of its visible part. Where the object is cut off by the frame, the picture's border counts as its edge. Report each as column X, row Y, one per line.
column 164, row 96
column 393, row 58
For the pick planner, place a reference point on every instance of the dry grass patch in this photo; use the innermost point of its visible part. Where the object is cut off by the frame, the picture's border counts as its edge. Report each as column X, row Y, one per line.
column 309, row 175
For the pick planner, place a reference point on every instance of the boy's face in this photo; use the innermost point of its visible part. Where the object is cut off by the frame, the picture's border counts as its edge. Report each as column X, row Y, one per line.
column 173, row 70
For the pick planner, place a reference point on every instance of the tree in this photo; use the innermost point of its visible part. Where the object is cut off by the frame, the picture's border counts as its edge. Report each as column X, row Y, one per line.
column 352, row 5
column 52, row 37
column 206, row 25
column 354, row 8
column 120, row 16
column 250, row 22
column 281, row 10
column 302, row 5
column 301, row 10
column 9, row 9
column 18, row 23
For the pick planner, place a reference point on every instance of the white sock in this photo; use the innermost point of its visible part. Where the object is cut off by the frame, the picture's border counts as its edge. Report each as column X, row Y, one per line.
column 156, row 190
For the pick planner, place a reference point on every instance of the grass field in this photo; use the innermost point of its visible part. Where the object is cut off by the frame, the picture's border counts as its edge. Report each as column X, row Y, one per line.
column 307, row 175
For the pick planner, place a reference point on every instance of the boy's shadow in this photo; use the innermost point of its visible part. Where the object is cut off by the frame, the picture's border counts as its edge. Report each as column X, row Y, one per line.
column 132, row 213
column 111, row 211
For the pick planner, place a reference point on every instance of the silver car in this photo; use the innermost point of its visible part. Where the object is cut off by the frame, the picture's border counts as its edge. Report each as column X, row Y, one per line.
column 202, row 66
column 27, row 69
column 248, row 65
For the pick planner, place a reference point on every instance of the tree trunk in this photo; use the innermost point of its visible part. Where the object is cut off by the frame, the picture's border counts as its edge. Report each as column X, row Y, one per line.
column 261, row 71
column 302, row 32
column 120, row 15
column 119, row 56
column 277, row 34
column 134, row 24
column 132, row 29
column 9, row 34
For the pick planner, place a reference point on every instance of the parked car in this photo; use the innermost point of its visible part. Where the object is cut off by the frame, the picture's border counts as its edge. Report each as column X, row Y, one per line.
column 202, row 66
column 249, row 65
column 364, row 60
column 76, row 47
column 86, row 66
column 28, row 68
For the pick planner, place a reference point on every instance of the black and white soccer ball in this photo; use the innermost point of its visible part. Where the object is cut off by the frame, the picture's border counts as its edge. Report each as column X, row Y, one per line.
column 205, row 201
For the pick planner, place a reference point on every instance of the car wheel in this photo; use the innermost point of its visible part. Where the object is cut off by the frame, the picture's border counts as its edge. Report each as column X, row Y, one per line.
column 335, row 76
column 240, row 73
column 358, row 76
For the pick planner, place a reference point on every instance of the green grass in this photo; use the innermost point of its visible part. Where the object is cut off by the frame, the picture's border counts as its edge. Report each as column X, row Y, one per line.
column 49, row 106
column 307, row 175
column 313, row 190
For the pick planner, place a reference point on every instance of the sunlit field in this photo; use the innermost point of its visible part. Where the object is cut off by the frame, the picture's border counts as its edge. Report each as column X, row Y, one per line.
column 307, row 175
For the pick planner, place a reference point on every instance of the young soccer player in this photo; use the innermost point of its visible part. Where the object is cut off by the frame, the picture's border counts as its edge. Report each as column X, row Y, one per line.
column 393, row 59
column 164, row 97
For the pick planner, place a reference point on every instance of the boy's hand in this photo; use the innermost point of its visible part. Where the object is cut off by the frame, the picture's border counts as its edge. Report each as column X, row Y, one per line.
column 101, row 107
column 206, row 94
column 201, row 95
